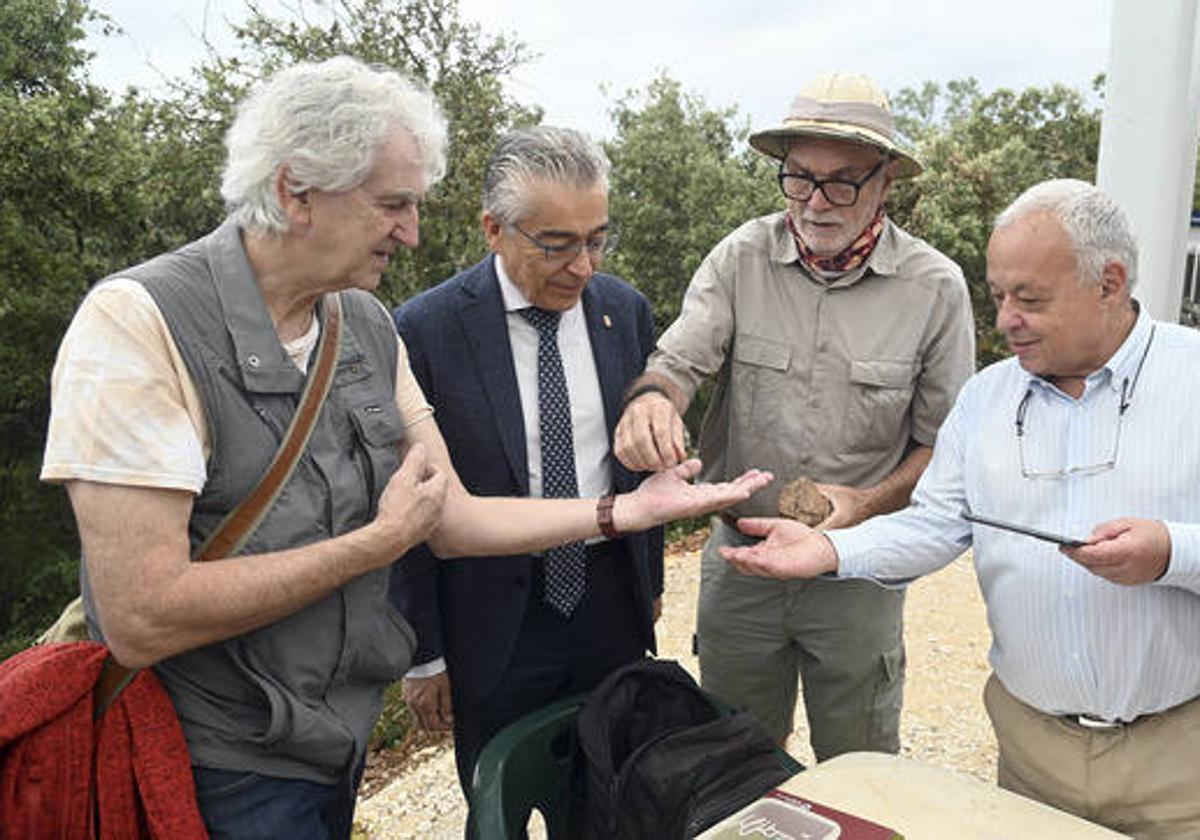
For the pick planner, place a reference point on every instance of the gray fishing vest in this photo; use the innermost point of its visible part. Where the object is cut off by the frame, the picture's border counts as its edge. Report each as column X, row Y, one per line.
column 297, row 698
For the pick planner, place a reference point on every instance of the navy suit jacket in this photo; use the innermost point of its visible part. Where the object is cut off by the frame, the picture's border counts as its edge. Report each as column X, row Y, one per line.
column 470, row 610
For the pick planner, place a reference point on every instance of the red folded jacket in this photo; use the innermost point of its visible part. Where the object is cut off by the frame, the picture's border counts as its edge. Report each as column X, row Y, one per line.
column 61, row 771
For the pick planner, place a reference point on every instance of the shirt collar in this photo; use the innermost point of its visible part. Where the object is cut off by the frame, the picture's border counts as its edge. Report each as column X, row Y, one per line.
column 1122, row 364
column 514, row 299
column 884, row 260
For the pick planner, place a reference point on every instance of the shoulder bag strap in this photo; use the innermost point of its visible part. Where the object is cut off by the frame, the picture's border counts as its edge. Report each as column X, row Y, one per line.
column 240, row 523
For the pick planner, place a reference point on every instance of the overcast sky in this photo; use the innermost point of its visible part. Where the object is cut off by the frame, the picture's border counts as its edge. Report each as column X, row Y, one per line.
column 732, row 52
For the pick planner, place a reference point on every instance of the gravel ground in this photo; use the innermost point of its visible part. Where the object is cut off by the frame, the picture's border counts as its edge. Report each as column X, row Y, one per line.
column 943, row 722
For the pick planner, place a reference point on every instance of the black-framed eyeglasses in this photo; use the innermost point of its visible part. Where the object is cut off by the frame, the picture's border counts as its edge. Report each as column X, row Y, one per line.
column 840, row 192
column 1127, row 389
column 597, row 246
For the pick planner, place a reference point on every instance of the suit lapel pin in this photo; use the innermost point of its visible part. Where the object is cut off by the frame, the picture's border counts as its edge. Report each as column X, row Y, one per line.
column 607, row 322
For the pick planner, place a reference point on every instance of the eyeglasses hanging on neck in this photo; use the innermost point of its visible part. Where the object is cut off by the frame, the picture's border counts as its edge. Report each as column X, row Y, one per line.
column 1127, row 388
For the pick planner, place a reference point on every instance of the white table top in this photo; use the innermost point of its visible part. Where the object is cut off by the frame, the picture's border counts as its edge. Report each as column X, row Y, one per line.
column 922, row 801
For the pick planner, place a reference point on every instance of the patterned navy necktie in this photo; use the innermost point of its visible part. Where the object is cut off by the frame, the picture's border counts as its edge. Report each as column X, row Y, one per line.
column 566, row 569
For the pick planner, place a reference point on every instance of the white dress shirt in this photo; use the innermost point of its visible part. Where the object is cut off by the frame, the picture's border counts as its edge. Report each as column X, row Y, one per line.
column 593, row 457
column 1063, row 639
column 593, row 464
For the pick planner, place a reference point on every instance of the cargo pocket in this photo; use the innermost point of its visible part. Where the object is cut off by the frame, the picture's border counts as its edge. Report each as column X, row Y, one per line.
column 384, row 652
column 291, row 677
column 889, row 698
column 300, row 727
column 879, row 399
column 379, row 431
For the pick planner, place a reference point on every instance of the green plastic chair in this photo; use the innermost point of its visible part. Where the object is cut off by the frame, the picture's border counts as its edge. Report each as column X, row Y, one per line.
column 526, row 766
column 523, row 768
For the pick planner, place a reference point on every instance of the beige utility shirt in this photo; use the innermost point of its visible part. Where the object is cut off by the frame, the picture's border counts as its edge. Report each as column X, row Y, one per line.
column 831, row 380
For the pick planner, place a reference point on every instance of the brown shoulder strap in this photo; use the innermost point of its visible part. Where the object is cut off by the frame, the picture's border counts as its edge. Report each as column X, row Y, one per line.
column 237, row 526
column 113, row 678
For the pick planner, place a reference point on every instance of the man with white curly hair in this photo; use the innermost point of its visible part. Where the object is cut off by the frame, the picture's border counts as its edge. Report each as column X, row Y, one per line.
column 1071, row 468
column 172, row 392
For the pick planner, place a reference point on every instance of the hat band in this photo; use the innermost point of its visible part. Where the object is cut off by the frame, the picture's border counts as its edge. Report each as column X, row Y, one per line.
column 861, row 114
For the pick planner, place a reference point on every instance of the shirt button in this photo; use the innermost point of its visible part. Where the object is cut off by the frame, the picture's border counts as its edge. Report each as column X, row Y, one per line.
column 253, row 361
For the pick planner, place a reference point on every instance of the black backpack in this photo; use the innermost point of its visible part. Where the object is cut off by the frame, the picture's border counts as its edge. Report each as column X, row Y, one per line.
column 661, row 761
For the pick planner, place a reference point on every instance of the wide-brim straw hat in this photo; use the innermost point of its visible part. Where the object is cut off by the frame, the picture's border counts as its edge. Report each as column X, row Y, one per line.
column 840, row 106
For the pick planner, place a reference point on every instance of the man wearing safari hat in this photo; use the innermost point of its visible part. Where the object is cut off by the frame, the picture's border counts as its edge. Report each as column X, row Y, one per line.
column 838, row 343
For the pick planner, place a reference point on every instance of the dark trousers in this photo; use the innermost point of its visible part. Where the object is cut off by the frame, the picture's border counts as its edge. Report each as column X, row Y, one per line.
column 246, row 806
column 555, row 656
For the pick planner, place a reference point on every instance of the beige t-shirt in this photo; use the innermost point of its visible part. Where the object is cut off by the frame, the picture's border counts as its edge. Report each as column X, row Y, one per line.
column 124, row 409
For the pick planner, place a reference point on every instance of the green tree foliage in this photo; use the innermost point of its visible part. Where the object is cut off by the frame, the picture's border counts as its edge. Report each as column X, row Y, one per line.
column 462, row 65
column 41, row 51
column 682, row 180
column 68, row 172
column 1196, row 185
column 980, row 151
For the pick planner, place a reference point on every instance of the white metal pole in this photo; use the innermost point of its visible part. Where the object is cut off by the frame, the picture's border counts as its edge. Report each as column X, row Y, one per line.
column 1148, row 138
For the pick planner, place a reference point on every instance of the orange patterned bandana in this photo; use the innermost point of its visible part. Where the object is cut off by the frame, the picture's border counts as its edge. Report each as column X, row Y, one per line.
column 854, row 255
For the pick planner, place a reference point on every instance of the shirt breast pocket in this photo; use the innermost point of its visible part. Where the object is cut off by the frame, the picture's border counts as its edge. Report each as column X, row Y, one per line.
column 760, row 385
column 877, row 404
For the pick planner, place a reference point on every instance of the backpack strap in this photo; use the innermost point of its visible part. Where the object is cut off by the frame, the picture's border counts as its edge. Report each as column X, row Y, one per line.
column 241, row 522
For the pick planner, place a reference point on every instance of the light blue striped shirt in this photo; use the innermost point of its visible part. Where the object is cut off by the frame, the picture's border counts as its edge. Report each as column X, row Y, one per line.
column 1063, row 639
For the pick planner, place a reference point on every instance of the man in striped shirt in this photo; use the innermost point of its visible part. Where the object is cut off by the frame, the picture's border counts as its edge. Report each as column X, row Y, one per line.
column 1087, row 438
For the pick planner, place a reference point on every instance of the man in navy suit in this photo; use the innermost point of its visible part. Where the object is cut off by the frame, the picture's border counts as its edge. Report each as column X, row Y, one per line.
column 492, row 645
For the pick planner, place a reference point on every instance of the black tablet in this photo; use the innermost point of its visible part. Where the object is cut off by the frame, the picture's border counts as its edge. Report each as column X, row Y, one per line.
column 1069, row 542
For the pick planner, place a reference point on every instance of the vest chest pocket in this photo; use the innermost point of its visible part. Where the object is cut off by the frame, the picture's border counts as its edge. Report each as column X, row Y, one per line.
column 879, row 398
column 378, row 432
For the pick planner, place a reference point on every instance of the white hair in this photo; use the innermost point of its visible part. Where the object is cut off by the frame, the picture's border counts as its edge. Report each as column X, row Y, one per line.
column 325, row 121
column 1099, row 229
column 541, row 154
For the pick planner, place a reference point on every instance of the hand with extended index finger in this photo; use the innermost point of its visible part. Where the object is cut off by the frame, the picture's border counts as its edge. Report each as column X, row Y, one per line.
column 650, row 435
